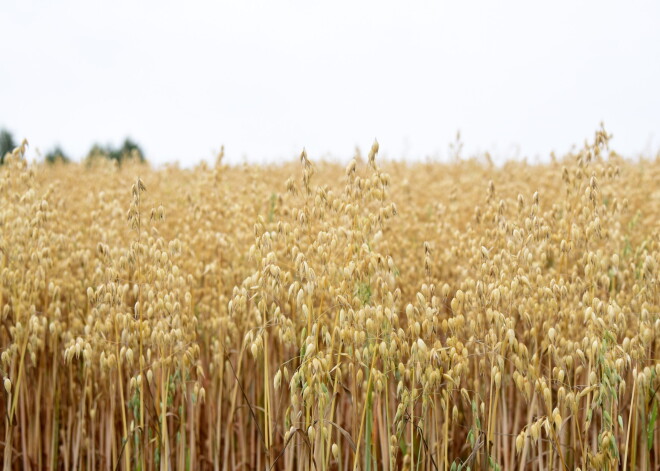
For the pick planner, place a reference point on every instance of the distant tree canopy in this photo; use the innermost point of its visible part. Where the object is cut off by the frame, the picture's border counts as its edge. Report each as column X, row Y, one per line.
column 57, row 155
column 7, row 144
column 128, row 150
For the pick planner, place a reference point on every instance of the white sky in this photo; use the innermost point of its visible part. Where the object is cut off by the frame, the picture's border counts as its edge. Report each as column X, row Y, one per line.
column 266, row 78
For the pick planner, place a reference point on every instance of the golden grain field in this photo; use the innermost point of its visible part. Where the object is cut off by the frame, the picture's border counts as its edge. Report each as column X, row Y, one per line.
column 310, row 316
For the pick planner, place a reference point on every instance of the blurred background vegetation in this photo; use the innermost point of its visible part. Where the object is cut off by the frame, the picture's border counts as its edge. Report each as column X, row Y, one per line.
column 129, row 149
column 7, row 144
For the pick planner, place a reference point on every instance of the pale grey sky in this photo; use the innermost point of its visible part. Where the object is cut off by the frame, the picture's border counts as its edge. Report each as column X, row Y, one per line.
column 265, row 78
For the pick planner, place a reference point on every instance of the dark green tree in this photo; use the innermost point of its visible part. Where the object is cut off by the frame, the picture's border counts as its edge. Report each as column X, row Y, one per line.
column 57, row 155
column 128, row 150
column 7, row 144
column 96, row 151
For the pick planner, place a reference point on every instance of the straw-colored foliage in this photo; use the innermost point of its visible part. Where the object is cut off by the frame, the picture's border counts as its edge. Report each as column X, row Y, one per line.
column 310, row 316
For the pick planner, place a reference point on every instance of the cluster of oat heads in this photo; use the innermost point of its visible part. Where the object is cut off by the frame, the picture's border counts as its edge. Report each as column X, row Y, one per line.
column 313, row 316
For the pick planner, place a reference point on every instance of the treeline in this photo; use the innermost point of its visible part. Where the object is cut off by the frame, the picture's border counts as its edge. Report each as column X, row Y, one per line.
column 127, row 150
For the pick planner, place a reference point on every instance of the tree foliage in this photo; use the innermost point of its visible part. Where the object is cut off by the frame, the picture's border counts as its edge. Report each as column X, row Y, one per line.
column 57, row 155
column 7, row 144
column 128, row 150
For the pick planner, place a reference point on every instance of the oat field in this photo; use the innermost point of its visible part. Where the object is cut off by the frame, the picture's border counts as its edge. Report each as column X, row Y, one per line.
column 311, row 316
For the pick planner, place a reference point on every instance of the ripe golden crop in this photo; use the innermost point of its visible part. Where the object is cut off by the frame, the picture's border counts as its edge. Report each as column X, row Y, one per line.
column 310, row 316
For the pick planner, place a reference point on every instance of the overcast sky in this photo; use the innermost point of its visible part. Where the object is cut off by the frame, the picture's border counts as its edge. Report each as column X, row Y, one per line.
column 267, row 78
